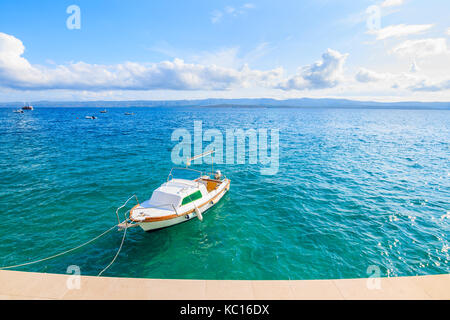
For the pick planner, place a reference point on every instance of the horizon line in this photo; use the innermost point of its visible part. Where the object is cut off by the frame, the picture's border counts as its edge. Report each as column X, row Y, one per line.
column 229, row 99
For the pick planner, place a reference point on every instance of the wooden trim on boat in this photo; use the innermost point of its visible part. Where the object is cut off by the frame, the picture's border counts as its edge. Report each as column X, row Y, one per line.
column 173, row 216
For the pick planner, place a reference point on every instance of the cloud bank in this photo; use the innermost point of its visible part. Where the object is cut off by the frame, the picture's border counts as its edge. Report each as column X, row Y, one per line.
column 404, row 81
column 327, row 73
column 421, row 48
column 17, row 73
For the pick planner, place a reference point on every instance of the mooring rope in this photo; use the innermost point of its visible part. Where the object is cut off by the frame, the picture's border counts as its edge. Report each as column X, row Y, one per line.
column 62, row 253
column 124, row 232
column 120, row 247
column 125, row 203
column 88, row 242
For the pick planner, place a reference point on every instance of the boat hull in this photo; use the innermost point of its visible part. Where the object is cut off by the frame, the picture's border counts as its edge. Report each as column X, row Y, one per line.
column 155, row 225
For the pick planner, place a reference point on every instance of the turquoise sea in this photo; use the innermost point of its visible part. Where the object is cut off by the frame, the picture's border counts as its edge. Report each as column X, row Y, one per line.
column 355, row 188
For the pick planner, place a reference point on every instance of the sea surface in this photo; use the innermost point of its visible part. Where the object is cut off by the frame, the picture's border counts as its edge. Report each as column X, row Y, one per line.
column 356, row 191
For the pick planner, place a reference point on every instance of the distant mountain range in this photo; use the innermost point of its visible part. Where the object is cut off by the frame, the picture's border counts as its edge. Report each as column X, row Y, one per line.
column 253, row 103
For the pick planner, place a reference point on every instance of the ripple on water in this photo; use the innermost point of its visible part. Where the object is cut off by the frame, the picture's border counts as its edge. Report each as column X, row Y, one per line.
column 355, row 188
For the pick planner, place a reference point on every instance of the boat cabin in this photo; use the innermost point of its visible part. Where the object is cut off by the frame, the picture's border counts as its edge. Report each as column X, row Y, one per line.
column 178, row 195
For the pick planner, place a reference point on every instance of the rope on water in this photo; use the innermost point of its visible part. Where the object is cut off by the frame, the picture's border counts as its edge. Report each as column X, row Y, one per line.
column 124, row 232
column 120, row 247
column 62, row 253
column 88, row 242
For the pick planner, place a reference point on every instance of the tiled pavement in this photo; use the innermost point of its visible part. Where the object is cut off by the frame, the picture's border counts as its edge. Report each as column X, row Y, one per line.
column 29, row 285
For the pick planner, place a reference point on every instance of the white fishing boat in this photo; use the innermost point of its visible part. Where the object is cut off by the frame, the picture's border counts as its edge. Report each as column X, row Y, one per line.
column 179, row 200
column 18, row 111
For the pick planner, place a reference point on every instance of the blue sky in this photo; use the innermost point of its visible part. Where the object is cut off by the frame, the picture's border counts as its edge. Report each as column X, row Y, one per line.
column 127, row 50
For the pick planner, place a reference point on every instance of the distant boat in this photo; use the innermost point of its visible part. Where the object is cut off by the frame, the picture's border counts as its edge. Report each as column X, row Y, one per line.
column 27, row 107
column 18, row 111
column 103, row 111
column 90, row 117
column 129, row 113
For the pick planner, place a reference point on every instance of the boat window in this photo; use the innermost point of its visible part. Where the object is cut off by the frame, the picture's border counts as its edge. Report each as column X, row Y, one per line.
column 195, row 196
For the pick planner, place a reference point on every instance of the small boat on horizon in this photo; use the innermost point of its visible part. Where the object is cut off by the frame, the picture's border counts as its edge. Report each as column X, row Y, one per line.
column 27, row 107
column 179, row 200
column 18, row 111
column 129, row 113
column 103, row 111
column 91, row 117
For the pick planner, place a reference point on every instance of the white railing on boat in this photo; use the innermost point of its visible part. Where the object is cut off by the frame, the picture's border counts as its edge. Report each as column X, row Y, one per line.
column 186, row 169
column 118, row 209
column 201, row 173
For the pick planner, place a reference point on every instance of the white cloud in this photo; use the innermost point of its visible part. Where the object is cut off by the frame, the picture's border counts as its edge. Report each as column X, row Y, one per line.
column 403, row 81
column 431, row 86
column 227, row 57
column 421, row 48
column 218, row 15
column 17, row 73
column 448, row 31
column 392, row 3
column 204, row 77
column 327, row 73
column 231, row 57
column 365, row 75
column 229, row 10
column 414, row 67
column 12, row 64
column 399, row 30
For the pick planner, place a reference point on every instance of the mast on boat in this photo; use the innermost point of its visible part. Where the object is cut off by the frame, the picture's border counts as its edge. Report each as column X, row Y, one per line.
column 204, row 154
